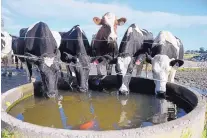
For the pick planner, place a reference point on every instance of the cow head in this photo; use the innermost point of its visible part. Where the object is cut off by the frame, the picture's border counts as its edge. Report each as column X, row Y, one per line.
column 161, row 67
column 109, row 23
column 81, row 66
column 49, row 67
column 123, row 67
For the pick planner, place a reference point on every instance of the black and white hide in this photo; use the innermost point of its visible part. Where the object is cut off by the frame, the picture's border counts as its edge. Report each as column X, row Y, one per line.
column 38, row 43
column 131, row 51
column 6, row 52
column 75, row 50
column 166, row 56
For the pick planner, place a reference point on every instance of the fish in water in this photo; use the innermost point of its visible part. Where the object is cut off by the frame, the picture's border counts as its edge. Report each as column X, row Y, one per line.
column 87, row 125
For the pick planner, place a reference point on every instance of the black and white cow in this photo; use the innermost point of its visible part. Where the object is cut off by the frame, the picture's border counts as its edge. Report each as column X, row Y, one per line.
column 15, row 58
column 38, row 43
column 131, row 51
column 6, row 50
column 75, row 49
column 166, row 54
column 105, row 41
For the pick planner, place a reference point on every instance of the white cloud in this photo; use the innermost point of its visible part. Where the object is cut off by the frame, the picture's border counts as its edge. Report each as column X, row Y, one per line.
column 9, row 23
column 82, row 12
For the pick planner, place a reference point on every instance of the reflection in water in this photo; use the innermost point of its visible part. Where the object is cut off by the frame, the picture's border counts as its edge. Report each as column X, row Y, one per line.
column 96, row 111
column 164, row 111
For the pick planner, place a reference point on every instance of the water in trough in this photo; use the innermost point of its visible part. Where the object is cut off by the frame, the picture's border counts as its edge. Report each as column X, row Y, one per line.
column 97, row 111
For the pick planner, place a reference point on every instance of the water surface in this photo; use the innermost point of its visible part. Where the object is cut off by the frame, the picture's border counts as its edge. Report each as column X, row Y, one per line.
column 97, row 111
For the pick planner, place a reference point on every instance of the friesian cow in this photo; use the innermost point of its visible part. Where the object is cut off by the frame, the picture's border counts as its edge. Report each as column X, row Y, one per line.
column 15, row 58
column 133, row 47
column 6, row 50
column 75, row 49
column 105, row 41
column 166, row 55
column 38, row 43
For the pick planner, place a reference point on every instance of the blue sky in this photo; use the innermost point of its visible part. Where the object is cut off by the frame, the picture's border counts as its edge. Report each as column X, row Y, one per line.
column 187, row 19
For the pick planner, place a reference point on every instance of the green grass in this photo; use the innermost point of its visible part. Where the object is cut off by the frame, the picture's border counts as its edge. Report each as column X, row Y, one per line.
column 188, row 56
column 192, row 69
column 205, row 128
column 7, row 134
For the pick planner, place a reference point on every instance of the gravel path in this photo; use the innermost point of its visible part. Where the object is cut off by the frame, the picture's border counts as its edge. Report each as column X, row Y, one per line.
column 197, row 79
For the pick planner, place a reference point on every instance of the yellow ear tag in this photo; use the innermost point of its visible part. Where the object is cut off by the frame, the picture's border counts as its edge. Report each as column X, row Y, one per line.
column 8, row 104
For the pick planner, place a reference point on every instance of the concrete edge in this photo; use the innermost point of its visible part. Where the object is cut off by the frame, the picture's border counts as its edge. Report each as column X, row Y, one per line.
column 198, row 113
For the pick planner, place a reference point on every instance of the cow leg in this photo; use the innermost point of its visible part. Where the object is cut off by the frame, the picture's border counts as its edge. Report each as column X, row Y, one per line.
column 172, row 75
column 16, row 62
column 109, row 69
column 139, row 70
column 21, row 65
column 98, row 70
column 28, row 68
column 8, row 63
column 5, row 66
column 61, row 73
column 146, row 71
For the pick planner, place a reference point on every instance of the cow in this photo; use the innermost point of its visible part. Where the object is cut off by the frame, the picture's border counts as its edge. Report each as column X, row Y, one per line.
column 75, row 49
column 166, row 55
column 15, row 58
column 39, row 45
column 6, row 50
column 105, row 41
column 133, row 47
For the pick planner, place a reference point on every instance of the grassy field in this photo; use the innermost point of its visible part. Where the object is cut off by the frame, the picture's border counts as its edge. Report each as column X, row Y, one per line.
column 188, row 56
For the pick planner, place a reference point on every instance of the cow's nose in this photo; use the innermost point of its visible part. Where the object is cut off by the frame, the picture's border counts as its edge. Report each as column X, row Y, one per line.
column 123, row 92
column 161, row 94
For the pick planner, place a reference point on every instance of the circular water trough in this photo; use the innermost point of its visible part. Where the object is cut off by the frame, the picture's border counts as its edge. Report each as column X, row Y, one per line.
column 190, row 125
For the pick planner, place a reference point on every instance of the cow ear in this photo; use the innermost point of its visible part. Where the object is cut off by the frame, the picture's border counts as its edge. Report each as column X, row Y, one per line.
column 176, row 62
column 121, row 21
column 97, row 20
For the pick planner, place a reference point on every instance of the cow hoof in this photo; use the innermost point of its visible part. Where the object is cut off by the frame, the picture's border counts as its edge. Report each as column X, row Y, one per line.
column 123, row 92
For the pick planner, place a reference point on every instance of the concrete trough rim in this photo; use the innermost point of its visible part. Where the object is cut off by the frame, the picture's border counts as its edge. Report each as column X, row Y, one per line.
column 141, row 132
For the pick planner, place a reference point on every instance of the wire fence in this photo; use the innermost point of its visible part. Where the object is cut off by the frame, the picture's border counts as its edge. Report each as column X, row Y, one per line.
column 78, row 38
column 104, row 76
column 202, row 65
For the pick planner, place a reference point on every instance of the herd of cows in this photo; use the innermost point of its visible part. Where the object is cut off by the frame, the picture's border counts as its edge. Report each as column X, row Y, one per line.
column 46, row 49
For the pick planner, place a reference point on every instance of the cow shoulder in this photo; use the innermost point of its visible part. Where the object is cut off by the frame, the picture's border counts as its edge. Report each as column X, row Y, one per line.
column 57, row 37
column 31, row 27
column 135, row 28
column 165, row 37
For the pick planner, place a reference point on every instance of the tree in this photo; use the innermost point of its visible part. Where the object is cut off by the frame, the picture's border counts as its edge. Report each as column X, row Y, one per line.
column 202, row 50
